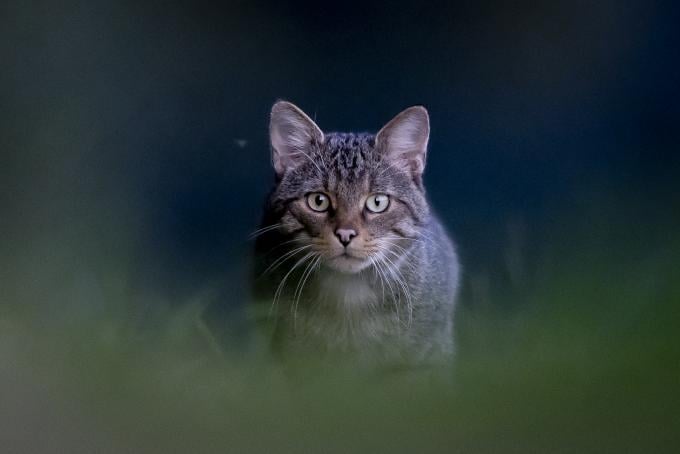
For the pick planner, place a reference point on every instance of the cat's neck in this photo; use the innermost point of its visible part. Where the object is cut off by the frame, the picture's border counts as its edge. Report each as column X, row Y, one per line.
column 345, row 291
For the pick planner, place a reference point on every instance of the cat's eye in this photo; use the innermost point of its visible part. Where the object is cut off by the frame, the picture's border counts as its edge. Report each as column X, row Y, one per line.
column 318, row 201
column 377, row 203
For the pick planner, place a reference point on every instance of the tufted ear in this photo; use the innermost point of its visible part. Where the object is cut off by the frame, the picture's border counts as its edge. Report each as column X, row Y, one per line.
column 404, row 139
column 291, row 133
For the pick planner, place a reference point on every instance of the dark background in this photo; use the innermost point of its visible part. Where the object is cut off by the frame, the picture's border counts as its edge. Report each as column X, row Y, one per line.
column 121, row 121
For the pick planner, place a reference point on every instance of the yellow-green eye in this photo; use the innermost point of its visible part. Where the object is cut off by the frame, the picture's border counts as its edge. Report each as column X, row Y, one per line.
column 377, row 203
column 318, row 201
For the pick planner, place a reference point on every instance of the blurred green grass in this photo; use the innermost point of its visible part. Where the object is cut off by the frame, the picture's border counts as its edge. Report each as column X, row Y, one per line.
column 576, row 352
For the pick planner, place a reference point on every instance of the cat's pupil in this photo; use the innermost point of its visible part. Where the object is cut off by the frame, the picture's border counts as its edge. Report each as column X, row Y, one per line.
column 319, row 199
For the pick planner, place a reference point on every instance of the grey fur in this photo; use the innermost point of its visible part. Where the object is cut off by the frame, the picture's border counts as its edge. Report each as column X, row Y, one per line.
column 400, row 309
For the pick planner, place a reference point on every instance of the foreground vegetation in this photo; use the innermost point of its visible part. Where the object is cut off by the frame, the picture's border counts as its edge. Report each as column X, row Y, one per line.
column 578, row 352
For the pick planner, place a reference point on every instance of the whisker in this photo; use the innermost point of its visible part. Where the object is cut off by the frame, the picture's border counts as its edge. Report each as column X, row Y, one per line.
column 398, row 238
column 399, row 279
column 379, row 267
column 399, row 258
column 298, row 290
column 279, row 261
column 294, row 240
column 282, row 284
column 263, row 230
column 380, row 277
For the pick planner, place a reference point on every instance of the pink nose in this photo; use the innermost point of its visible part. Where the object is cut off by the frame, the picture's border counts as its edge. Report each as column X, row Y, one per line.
column 345, row 235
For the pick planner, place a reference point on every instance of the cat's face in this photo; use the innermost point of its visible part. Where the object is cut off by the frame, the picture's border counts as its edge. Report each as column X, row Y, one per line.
column 349, row 200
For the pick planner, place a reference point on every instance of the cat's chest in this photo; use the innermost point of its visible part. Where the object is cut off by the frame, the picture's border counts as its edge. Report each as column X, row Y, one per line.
column 348, row 293
column 344, row 311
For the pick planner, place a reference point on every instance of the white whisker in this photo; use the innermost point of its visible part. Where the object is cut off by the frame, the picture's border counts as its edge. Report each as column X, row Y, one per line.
column 380, row 277
column 263, row 230
column 399, row 279
column 279, row 261
column 303, row 279
column 381, row 270
column 400, row 258
column 279, row 289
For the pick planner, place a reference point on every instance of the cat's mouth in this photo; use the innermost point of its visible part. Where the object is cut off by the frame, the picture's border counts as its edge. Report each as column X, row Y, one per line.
column 346, row 262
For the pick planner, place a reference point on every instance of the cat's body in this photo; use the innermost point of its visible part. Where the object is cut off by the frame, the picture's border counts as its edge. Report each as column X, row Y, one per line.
column 351, row 258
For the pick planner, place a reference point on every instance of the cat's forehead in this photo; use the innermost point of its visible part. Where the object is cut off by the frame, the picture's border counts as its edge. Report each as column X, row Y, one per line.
column 349, row 155
column 347, row 164
column 338, row 142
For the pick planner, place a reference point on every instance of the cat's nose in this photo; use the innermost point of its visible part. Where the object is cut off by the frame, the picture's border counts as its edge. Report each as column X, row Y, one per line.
column 345, row 235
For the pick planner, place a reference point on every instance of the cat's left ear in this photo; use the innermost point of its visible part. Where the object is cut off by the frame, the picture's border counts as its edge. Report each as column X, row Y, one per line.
column 404, row 139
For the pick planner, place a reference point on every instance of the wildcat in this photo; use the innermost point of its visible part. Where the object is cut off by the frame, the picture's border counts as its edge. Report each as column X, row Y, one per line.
column 350, row 258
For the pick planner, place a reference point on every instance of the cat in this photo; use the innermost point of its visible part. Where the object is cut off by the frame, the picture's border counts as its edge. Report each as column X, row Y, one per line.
column 350, row 258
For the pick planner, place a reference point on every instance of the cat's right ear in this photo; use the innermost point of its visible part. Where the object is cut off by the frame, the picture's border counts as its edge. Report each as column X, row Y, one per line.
column 404, row 139
column 292, row 133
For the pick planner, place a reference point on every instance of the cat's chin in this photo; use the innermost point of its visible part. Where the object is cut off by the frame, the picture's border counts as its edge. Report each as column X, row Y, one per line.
column 347, row 264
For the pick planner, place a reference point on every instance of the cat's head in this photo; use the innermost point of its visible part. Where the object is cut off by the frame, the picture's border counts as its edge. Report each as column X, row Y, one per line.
column 350, row 199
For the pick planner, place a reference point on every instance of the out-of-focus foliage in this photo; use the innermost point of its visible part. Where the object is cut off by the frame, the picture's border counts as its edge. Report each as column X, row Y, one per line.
column 579, row 354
